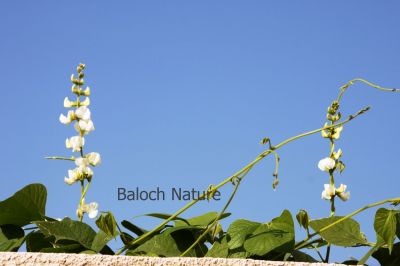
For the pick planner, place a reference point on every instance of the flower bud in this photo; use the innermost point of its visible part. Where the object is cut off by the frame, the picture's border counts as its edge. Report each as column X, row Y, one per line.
column 337, row 131
column 338, row 154
column 303, row 218
column 86, row 102
column 68, row 103
column 86, row 92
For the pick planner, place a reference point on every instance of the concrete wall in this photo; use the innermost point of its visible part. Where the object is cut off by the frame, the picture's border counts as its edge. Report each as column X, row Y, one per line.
column 39, row 259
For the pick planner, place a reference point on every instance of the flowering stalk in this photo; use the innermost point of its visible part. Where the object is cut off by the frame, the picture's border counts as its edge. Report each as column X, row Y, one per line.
column 83, row 126
column 333, row 163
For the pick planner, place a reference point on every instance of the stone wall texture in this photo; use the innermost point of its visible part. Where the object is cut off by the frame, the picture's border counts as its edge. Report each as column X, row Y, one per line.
column 39, row 259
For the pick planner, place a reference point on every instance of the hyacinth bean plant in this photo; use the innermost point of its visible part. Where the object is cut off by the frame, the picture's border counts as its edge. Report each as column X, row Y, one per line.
column 23, row 219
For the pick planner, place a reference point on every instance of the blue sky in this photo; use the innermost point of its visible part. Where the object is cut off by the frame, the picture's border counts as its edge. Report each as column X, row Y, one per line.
column 183, row 91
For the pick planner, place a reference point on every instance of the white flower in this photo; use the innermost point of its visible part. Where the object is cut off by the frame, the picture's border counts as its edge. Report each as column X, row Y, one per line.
column 82, row 112
column 68, row 103
column 92, row 209
column 79, row 173
column 93, row 158
column 83, row 166
column 66, row 120
column 87, row 171
column 342, row 193
column 75, row 143
column 86, row 102
column 326, row 164
column 73, row 176
column 81, row 162
column 328, row 192
column 84, row 126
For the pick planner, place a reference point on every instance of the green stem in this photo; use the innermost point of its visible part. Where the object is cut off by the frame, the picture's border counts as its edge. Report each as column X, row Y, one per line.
column 60, row 158
column 333, row 208
column 348, row 84
column 83, row 191
column 304, row 243
column 328, row 252
column 319, row 253
column 231, row 178
column 215, row 220
column 30, row 228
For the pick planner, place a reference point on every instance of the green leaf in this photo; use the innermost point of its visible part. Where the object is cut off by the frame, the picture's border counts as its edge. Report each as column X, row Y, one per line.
column 126, row 238
column 346, row 233
column 137, row 253
column 300, row 256
column 386, row 258
column 70, row 248
column 89, row 252
column 219, row 249
column 11, row 237
column 100, row 241
column 163, row 216
column 238, row 231
column 202, row 220
column 36, row 241
column 106, row 223
column 385, row 225
column 68, row 229
column 171, row 243
column 163, row 245
column 135, row 229
column 239, row 253
column 25, row 206
column 277, row 236
column 351, row 262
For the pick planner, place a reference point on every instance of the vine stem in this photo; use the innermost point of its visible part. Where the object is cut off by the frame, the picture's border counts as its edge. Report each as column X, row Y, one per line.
column 231, row 178
column 304, row 243
column 351, row 82
column 217, row 218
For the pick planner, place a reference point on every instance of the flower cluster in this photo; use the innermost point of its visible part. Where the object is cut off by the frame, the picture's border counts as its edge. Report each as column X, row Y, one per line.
column 333, row 163
column 83, row 124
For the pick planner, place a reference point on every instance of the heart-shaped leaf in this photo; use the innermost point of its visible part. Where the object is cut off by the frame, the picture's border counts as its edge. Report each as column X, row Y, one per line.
column 385, row 225
column 25, row 206
column 278, row 236
column 346, row 233
column 238, row 231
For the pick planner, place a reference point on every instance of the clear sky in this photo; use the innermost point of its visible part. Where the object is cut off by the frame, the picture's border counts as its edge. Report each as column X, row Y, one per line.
column 183, row 91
